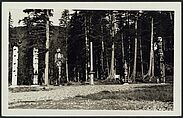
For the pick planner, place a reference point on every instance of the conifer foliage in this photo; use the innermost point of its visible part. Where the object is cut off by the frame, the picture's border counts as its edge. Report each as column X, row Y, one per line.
column 119, row 37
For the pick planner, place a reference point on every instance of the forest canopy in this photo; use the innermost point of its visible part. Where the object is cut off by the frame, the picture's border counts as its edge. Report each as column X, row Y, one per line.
column 135, row 39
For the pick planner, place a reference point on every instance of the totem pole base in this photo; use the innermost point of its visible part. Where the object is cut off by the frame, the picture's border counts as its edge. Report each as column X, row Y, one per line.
column 91, row 78
column 163, row 83
column 126, row 84
column 35, row 85
column 13, row 86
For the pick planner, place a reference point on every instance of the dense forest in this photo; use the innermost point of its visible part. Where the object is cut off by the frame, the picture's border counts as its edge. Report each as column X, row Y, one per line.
column 139, row 43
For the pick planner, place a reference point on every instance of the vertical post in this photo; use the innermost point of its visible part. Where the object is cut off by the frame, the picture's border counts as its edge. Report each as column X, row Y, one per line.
column 91, row 64
column 59, row 74
column 15, row 66
column 161, row 57
column 35, row 66
column 47, row 52
column 59, row 61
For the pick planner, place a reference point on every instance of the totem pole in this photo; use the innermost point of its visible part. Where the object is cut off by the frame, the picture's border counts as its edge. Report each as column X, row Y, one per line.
column 161, row 60
column 59, row 60
column 35, row 66
column 91, row 64
column 15, row 66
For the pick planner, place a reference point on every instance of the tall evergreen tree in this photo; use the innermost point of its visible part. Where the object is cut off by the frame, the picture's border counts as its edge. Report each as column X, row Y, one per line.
column 36, row 26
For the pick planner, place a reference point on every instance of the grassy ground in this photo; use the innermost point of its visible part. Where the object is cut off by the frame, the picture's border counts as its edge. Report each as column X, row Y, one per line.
column 159, row 97
column 157, row 93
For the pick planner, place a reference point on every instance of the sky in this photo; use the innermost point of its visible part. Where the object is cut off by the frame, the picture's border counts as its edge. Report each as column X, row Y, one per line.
column 18, row 14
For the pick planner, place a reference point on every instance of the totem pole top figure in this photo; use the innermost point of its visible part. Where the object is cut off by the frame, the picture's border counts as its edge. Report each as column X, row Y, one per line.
column 59, row 55
column 58, row 50
column 160, row 46
column 59, row 58
column 160, row 39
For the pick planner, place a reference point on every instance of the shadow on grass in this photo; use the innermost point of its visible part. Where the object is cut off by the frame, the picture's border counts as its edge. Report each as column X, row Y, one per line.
column 29, row 89
column 162, row 93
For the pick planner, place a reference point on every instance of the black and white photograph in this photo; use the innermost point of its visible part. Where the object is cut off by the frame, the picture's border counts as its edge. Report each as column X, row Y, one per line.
column 91, row 58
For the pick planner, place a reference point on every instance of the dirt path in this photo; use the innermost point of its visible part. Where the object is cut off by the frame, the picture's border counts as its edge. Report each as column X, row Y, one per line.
column 59, row 93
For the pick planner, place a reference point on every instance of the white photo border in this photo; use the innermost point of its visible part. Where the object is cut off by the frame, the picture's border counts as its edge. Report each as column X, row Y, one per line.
column 166, row 6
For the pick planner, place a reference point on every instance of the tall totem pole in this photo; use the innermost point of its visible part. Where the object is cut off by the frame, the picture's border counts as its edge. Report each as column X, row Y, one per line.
column 35, row 66
column 161, row 60
column 15, row 66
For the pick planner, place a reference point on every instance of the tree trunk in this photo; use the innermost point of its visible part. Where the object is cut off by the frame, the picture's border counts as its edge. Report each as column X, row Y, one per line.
column 112, row 71
column 151, row 52
column 141, row 58
column 129, row 69
column 123, row 55
column 67, row 73
column 67, row 69
column 108, row 71
column 152, row 73
column 115, row 69
column 171, row 17
column 47, row 52
column 97, row 65
column 135, row 55
column 102, row 55
column 151, row 58
column 86, row 44
column 122, row 49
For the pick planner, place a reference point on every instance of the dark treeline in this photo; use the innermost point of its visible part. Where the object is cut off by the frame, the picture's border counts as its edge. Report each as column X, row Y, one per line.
column 99, row 32
column 129, row 31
